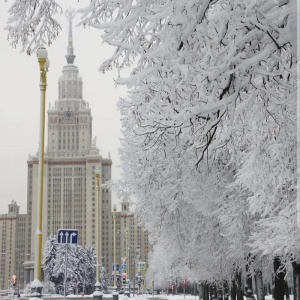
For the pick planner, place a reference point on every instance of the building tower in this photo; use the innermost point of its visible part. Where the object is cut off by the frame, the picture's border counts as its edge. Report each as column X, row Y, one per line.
column 70, row 192
column 12, row 241
column 131, row 236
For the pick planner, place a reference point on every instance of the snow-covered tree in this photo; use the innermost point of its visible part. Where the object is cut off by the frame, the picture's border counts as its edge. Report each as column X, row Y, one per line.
column 209, row 125
column 105, row 281
column 81, row 266
column 89, row 283
column 49, row 257
column 33, row 23
column 48, row 287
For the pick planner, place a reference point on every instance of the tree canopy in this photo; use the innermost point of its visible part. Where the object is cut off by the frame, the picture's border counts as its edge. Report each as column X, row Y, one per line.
column 80, row 263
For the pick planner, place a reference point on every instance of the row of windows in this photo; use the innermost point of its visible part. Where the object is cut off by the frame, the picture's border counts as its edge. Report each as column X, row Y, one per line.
column 64, row 147
column 57, row 184
column 66, row 171
column 70, row 75
column 63, row 141
column 70, row 94
column 63, row 134
column 65, row 127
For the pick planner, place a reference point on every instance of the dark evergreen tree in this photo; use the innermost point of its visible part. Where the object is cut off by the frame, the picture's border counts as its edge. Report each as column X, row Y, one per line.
column 66, row 260
column 50, row 252
column 81, row 267
column 90, row 277
column 104, row 278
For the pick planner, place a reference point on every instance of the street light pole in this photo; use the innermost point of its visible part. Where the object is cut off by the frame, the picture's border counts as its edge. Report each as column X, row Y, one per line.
column 19, row 266
column 137, row 257
column 126, row 254
column 129, row 269
column 99, row 231
column 134, row 261
column 115, row 254
column 42, row 55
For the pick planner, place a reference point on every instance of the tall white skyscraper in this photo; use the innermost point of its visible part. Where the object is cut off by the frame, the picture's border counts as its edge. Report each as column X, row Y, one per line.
column 70, row 188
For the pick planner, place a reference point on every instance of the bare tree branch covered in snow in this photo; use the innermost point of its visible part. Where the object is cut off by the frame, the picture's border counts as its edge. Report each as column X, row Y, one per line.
column 32, row 23
column 196, row 61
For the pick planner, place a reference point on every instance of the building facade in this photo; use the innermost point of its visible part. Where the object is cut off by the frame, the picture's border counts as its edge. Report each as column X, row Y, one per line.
column 70, row 192
column 70, row 188
column 132, row 243
column 12, row 242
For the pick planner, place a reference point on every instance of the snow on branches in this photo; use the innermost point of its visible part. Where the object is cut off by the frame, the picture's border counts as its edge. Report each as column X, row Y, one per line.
column 32, row 23
column 212, row 88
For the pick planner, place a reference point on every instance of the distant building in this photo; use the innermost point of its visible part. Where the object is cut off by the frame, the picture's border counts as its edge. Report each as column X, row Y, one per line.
column 12, row 243
column 131, row 236
column 70, row 190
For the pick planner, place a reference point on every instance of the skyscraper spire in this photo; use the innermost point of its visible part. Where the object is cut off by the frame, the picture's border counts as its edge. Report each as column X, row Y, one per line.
column 70, row 13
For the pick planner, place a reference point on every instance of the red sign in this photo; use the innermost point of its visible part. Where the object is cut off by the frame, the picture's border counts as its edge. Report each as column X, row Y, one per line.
column 184, row 282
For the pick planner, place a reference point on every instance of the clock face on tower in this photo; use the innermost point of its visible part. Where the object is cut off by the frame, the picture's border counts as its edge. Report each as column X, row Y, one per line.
column 68, row 114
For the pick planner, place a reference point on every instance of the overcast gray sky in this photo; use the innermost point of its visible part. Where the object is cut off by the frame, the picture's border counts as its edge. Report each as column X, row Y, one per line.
column 19, row 110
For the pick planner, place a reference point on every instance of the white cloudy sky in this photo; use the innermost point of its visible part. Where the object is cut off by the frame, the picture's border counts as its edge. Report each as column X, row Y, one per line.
column 19, row 110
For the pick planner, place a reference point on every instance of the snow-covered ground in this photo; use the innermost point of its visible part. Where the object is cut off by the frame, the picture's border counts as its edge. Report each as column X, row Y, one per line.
column 154, row 297
column 132, row 297
column 174, row 297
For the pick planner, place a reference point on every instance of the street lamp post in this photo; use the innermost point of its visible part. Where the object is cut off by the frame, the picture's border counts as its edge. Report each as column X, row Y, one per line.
column 129, row 269
column 18, row 267
column 126, row 254
column 99, row 231
column 115, row 254
column 136, row 258
column 36, row 285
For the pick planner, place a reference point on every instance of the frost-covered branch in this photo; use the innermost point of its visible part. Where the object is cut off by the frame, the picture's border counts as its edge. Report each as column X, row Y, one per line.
column 32, row 23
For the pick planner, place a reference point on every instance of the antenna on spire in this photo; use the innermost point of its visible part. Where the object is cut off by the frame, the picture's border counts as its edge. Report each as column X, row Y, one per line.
column 70, row 14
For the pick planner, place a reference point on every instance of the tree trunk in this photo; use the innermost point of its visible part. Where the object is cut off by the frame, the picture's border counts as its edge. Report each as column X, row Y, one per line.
column 287, row 291
column 248, row 275
column 259, row 285
column 211, row 292
column 205, row 293
column 233, row 290
column 279, row 281
column 254, row 287
column 269, row 287
column 225, row 288
column 248, row 282
column 296, row 277
column 240, row 294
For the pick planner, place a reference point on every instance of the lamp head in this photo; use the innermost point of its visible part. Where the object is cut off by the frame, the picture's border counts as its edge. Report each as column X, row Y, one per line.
column 97, row 172
column 114, row 208
column 42, row 53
